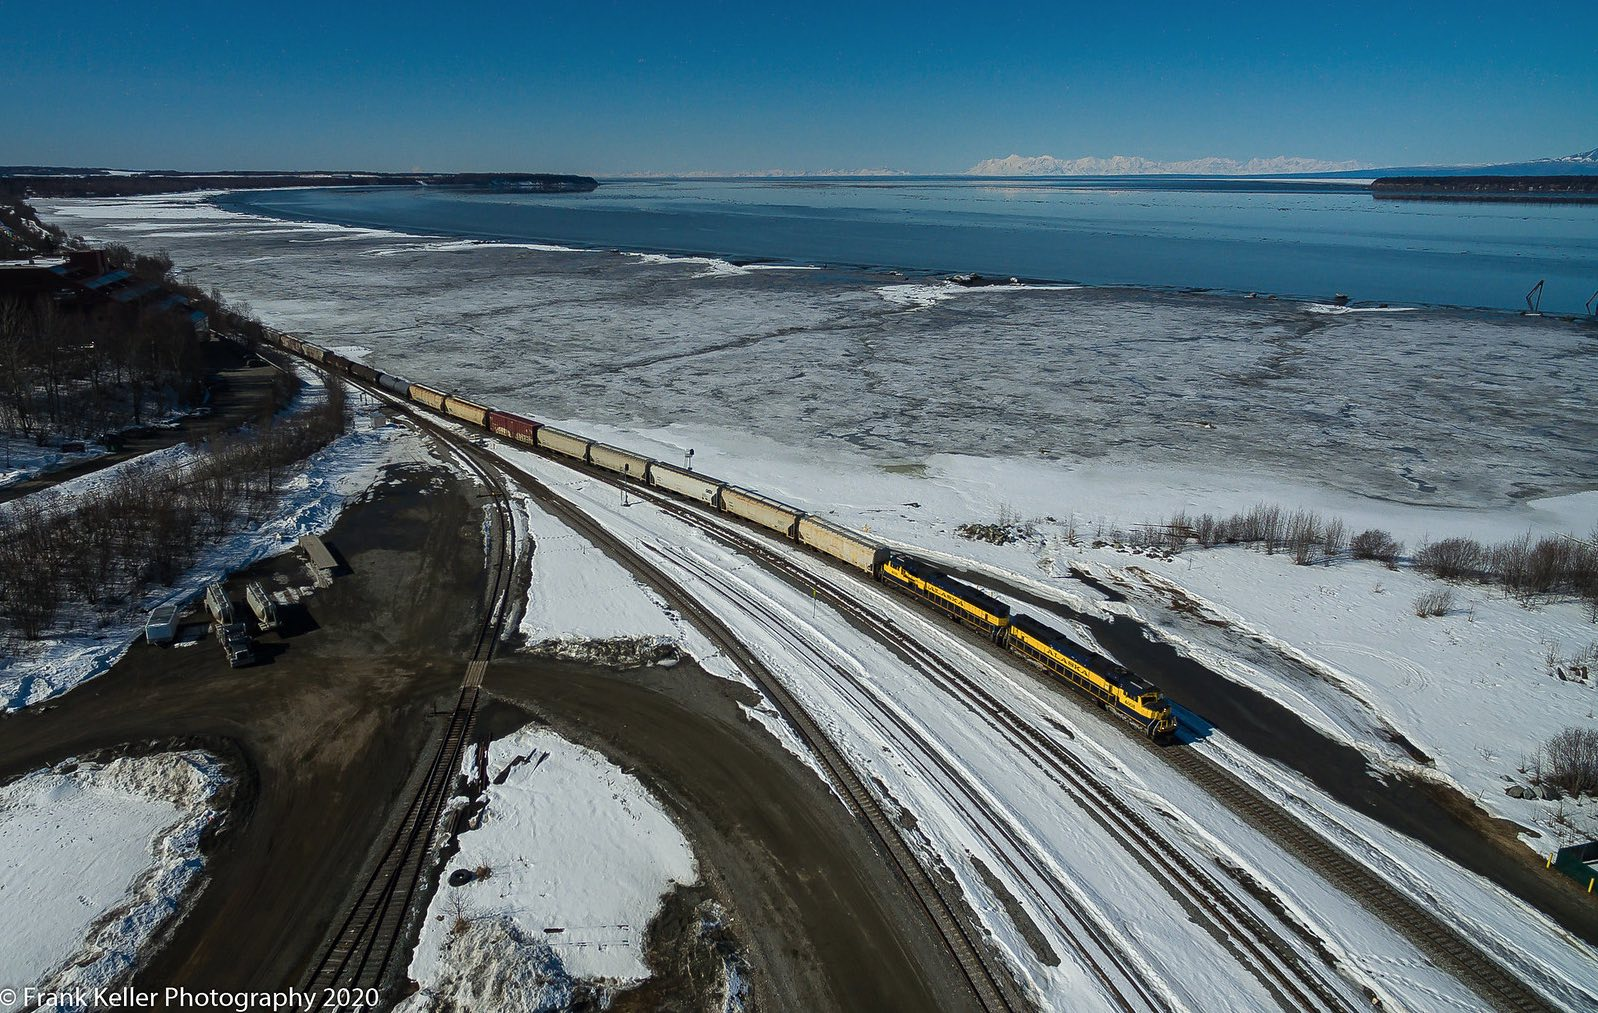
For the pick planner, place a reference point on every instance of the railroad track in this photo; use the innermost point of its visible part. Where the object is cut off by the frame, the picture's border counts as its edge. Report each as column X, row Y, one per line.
column 1101, row 956
column 1445, row 947
column 1451, row 951
column 1437, row 940
column 367, row 947
column 1275, row 962
column 992, row 988
column 1265, row 953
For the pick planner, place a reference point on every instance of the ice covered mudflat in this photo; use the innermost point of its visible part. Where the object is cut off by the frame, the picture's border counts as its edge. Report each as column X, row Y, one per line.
column 1432, row 407
column 99, row 859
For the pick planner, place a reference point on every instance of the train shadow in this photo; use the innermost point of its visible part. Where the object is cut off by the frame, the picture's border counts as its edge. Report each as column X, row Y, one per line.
column 1190, row 727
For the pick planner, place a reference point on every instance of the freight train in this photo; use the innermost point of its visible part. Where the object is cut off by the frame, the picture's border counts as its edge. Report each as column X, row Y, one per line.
column 1094, row 675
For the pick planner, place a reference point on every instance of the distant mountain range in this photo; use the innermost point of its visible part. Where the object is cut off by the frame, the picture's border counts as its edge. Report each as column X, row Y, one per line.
column 763, row 174
column 1135, row 165
column 1580, row 163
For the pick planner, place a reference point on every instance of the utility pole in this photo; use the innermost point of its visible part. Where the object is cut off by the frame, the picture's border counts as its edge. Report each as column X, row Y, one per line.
column 688, row 460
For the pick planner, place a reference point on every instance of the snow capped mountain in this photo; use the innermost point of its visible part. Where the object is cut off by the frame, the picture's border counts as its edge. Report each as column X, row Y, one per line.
column 1580, row 156
column 1134, row 165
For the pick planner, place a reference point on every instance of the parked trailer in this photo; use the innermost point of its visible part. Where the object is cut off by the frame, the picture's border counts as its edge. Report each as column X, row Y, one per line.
column 763, row 510
column 218, row 604
column 686, row 483
column 623, row 462
column 514, row 427
column 162, row 626
column 466, row 411
column 394, row 384
column 423, row 394
column 841, row 543
column 562, row 442
column 262, row 605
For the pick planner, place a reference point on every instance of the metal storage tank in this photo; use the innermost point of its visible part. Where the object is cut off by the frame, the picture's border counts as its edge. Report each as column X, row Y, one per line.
column 218, row 604
column 562, row 442
column 423, row 394
column 763, row 510
column 618, row 460
column 514, row 426
column 686, row 483
column 466, row 411
column 397, row 384
column 840, row 543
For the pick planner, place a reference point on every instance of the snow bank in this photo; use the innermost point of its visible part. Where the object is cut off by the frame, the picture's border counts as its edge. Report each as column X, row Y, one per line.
column 98, row 859
column 578, row 855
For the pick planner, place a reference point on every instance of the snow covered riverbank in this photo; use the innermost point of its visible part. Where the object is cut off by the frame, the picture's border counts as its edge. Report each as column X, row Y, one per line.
column 100, row 857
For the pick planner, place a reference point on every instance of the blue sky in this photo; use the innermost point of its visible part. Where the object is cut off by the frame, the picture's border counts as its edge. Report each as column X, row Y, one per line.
column 613, row 87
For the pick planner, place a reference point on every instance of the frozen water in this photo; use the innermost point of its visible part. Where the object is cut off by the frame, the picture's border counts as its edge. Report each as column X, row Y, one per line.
column 1432, row 407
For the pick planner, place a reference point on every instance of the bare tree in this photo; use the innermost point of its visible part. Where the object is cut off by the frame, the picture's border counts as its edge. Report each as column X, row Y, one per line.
column 1434, row 603
column 1303, row 535
column 1451, row 558
column 1571, row 761
column 1334, row 538
column 1377, row 544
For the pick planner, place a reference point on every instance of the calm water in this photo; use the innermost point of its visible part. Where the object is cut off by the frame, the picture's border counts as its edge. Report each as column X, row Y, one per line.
column 1302, row 239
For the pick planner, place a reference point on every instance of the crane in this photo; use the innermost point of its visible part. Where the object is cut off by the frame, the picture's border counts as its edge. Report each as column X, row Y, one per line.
column 1534, row 298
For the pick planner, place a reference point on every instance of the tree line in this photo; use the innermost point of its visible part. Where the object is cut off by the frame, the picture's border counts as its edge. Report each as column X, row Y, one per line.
column 92, row 369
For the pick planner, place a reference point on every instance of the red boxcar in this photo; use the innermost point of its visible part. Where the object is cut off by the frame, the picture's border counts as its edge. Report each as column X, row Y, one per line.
column 514, row 426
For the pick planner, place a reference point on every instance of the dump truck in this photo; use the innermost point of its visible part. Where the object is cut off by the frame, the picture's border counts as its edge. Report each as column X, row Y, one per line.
column 261, row 603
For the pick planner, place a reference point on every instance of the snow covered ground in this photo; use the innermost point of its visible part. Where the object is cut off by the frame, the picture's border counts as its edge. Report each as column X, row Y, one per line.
column 582, row 601
column 935, row 761
column 85, row 647
column 574, row 856
column 99, row 858
column 1338, row 643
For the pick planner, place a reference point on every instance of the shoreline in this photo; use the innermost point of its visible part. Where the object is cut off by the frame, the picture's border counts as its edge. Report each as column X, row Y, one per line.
column 238, row 202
